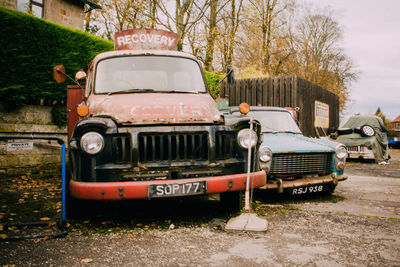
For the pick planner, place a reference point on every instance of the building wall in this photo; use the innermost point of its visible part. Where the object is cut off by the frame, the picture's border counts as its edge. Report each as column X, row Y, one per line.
column 11, row 4
column 67, row 13
column 45, row 156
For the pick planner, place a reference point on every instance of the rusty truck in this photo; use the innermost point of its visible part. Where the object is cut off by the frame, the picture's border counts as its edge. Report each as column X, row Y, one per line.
column 145, row 126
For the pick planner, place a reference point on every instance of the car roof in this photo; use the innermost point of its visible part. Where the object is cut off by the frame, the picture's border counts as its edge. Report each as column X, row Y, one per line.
column 151, row 52
column 255, row 108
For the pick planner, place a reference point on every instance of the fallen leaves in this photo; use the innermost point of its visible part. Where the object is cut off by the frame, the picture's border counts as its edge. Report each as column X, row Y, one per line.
column 86, row 260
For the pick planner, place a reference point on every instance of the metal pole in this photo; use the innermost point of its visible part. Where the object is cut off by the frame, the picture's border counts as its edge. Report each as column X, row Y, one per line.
column 247, row 193
column 63, row 185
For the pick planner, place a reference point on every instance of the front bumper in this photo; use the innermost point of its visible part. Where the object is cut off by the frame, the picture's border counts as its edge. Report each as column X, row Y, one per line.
column 139, row 189
column 279, row 185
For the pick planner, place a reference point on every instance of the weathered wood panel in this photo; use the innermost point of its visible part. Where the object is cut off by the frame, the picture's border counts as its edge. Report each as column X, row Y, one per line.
column 284, row 92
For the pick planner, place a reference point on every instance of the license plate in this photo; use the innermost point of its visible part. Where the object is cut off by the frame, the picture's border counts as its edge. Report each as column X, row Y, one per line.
column 307, row 189
column 177, row 189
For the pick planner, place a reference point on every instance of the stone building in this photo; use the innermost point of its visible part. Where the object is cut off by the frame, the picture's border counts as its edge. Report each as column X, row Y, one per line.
column 69, row 13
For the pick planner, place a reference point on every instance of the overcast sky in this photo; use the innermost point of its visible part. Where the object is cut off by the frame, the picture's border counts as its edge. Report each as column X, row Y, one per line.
column 372, row 41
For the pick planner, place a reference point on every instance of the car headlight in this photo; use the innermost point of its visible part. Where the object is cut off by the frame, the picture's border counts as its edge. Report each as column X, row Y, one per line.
column 340, row 157
column 246, row 138
column 92, row 143
column 340, row 152
column 265, row 154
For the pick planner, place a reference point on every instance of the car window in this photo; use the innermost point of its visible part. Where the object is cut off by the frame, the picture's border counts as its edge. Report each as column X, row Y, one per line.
column 274, row 120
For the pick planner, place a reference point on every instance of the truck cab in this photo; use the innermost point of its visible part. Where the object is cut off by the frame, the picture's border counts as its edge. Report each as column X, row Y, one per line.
column 149, row 128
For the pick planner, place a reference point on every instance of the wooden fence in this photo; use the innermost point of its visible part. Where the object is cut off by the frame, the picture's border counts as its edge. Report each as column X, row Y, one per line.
column 284, row 92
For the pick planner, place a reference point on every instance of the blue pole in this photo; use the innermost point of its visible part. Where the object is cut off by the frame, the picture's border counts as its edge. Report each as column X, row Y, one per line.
column 63, row 184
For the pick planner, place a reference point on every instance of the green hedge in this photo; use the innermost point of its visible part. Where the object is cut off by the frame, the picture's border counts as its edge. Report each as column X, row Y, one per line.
column 212, row 82
column 30, row 47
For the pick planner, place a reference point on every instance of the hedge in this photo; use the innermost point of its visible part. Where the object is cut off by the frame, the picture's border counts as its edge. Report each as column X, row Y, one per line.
column 30, row 47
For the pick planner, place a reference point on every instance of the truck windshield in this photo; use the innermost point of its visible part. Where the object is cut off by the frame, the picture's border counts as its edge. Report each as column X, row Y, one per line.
column 275, row 121
column 130, row 74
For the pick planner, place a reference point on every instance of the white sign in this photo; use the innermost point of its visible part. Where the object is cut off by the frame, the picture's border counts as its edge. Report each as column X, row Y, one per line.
column 19, row 145
column 145, row 39
column 321, row 115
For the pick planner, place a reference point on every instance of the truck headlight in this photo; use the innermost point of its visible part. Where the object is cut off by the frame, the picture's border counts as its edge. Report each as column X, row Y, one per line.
column 246, row 138
column 265, row 158
column 92, row 143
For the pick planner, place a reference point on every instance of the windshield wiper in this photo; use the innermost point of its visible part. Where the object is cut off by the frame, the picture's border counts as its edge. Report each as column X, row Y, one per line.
column 179, row 91
column 290, row 132
column 132, row 91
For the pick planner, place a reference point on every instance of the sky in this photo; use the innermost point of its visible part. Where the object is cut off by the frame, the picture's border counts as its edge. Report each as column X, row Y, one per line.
column 371, row 38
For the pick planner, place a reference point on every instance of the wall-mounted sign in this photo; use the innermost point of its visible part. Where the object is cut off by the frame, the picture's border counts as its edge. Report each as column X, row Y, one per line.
column 321, row 115
column 145, row 39
column 19, row 145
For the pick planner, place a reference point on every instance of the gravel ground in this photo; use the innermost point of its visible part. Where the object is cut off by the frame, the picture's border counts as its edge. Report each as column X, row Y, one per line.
column 294, row 238
column 190, row 233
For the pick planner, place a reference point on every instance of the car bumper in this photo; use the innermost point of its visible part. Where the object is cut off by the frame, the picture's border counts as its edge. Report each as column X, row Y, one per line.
column 139, row 189
column 279, row 185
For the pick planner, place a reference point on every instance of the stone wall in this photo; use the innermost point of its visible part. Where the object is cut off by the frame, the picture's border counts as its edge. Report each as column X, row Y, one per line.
column 67, row 13
column 45, row 156
column 11, row 4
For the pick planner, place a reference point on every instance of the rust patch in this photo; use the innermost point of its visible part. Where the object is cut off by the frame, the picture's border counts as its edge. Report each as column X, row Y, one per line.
column 230, row 185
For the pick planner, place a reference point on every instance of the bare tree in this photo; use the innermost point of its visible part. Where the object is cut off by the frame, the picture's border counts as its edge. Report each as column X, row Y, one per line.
column 319, row 57
column 187, row 14
column 118, row 15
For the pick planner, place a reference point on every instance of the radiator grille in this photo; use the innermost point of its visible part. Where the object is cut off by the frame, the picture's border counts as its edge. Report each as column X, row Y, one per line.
column 301, row 163
column 121, row 149
column 173, row 147
column 224, row 145
column 355, row 148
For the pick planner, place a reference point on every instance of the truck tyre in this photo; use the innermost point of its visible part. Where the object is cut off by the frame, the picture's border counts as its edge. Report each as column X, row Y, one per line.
column 232, row 200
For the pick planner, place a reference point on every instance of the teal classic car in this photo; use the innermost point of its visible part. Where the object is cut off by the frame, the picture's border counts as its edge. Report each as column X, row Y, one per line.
column 298, row 164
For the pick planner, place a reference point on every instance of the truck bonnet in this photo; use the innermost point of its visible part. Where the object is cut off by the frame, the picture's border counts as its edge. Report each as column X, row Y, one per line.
column 155, row 108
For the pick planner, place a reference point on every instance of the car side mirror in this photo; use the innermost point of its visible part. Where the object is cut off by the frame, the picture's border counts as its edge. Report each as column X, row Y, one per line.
column 59, row 73
column 80, row 75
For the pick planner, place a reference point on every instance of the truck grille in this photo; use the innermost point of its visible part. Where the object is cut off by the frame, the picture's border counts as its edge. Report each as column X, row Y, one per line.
column 224, row 145
column 121, row 149
column 301, row 163
column 173, row 147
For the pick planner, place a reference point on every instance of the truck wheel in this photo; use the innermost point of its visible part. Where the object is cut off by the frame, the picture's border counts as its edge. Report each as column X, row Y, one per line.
column 72, row 205
column 232, row 200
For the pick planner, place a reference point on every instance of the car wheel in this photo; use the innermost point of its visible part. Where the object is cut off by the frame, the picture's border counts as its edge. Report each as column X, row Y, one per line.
column 344, row 131
column 367, row 131
column 232, row 200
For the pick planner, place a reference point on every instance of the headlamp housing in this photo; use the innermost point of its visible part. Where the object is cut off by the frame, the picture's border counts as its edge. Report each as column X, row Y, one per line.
column 247, row 138
column 92, row 143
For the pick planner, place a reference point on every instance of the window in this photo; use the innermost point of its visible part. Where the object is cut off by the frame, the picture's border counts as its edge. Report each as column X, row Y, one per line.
column 34, row 7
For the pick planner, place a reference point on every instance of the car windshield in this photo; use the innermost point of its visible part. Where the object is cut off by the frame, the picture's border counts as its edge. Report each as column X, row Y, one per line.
column 130, row 74
column 275, row 121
